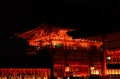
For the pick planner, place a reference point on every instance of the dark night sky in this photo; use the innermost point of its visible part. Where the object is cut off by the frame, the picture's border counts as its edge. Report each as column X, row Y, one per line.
column 90, row 16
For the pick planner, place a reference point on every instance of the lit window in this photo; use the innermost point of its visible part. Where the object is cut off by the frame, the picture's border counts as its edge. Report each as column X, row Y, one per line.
column 108, row 58
column 58, row 45
column 92, row 68
column 95, row 72
column 67, row 69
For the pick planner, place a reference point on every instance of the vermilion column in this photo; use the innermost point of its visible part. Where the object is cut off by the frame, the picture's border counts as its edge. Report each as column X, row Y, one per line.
column 104, row 64
column 103, row 51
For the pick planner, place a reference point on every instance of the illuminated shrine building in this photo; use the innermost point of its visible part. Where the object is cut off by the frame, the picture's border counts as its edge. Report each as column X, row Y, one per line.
column 73, row 57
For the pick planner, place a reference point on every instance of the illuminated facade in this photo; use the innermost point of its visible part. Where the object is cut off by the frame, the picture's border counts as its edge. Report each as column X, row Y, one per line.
column 112, row 44
column 79, row 54
column 72, row 57
column 24, row 73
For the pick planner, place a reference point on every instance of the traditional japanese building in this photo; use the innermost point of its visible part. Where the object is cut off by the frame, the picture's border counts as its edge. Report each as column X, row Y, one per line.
column 97, row 55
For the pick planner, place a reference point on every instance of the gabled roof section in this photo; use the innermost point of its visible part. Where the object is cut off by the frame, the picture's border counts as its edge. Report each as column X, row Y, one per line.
column 43, row 27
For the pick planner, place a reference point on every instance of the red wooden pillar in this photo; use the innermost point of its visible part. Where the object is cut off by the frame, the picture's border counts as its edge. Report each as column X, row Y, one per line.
column 104, row 53
column 104, row 64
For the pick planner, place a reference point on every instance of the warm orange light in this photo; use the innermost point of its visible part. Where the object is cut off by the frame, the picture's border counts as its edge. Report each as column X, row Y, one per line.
column 113, row 71
column 39, row 37
column 95, row 72
column 67, row 69
column 113, row 56
column 91, row 68
column 108, row 58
